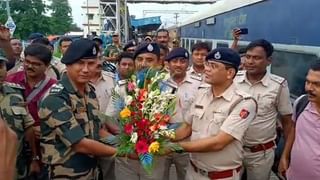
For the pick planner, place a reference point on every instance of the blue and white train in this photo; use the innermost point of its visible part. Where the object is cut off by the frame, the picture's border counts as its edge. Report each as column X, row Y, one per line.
column 293, row 26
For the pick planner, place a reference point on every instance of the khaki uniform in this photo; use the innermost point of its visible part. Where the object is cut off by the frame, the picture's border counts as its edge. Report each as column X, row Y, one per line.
column 186, row 92
column 231, row 112
column 15, row 113
column 273, row 97
column 66, row 118
column 128, row 168
column 103, row 88
column 194, row 74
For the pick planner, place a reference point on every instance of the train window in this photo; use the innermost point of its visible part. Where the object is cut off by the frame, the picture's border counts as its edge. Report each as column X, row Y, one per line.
column 209, row 43
column 294, row 67
column 219, row 44
column 182, row 43
column 192, row 42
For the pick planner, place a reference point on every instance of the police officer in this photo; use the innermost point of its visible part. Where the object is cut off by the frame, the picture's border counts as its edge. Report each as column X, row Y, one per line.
column 69, row 118
column 185, row 89
column 217, row 121
column 199, row 52
column 130, row 46
column 146, row 56
column 272, row 94
column 13, row 110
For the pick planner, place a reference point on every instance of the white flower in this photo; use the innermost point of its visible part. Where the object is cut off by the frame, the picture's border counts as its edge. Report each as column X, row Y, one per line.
column 163, row 127
column 128, row 100
column 134, row 137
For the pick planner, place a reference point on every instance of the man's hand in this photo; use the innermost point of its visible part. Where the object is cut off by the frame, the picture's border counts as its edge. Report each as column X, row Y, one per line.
column 236, row 34
column 8, row 151
column 283, row 166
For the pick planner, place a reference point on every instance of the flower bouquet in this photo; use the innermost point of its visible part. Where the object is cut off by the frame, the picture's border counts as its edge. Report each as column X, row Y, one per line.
column 144, row 119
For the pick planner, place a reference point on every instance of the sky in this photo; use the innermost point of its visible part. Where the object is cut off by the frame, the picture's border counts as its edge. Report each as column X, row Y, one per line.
column 137, row 10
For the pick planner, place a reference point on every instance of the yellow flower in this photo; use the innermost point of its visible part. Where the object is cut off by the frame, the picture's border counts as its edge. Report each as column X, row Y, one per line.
column 125, row 113
column 154, row 147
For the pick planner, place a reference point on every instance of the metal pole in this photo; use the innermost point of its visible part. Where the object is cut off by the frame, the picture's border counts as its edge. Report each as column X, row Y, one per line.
column 118, row 16
column 126, row 26
column 88, row 18
column 8, row 8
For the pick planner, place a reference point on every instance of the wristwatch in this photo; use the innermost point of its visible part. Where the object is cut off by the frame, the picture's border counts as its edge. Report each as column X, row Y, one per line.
column 35, row 158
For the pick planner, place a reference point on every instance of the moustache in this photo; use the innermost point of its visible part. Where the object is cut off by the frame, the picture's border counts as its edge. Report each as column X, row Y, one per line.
column 310, row 93
column 29, row 69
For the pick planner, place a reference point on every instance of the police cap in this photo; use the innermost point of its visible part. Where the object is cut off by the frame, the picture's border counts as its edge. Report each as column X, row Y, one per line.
column 225, row 56
column 177, row 53
column 147, row 48
column 80, row 49
column 130, row 44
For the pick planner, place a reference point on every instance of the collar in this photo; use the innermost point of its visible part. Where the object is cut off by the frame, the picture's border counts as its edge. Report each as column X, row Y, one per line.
column 311, row 108
column 228, row 93
column 264, row 81
column 70, row 87
column 192, row 71
column 186, row 79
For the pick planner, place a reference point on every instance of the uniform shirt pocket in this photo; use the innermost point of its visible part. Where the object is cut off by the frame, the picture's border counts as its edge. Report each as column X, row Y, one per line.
column 20, row 113
column 216, row 120
column 266, row 104
column 197, row 120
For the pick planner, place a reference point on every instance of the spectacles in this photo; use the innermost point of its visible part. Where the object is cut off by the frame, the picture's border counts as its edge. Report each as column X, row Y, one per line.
column 33, row 64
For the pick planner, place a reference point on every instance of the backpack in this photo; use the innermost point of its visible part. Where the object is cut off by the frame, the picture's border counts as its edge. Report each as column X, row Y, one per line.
column 301, row 104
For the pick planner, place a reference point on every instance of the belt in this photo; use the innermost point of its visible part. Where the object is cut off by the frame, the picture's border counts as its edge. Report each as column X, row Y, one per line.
column 262, row 147
column 215, row 174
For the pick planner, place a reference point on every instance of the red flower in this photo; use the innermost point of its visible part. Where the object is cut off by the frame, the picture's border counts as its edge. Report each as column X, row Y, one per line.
column 143, row 124
column 158, row 116
column 142, row 95
column 166, row 118
column 142, row 146
column 128, row 128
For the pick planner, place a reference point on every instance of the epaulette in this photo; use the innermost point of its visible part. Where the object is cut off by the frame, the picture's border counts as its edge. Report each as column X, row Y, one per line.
column 277, row 79
column 196, row 77
column 204, row 86
column 91, row 86
column 109, row 74
column 56, row 88
column 122, row 82
column 14, row 85
column 243, row 94
column 241, row 73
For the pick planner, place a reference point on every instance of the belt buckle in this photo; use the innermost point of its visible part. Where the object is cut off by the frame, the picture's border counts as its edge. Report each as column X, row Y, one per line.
column 203, row 172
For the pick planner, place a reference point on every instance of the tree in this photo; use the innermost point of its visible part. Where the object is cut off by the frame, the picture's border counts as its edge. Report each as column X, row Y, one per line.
column 61, row 19
column 29, row 16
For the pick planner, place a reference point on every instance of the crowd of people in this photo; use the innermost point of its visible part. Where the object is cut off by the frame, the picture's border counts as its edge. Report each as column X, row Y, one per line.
column 54, row 111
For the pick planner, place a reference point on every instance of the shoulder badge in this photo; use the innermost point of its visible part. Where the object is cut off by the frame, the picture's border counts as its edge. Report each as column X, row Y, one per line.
column 56, row 88
column 244, row 113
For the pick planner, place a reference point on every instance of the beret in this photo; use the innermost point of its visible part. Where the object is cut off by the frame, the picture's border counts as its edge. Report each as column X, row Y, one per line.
column 147, row 48
column 80, row 49
column 225, row 56
column 177, row 53
column 130, row 44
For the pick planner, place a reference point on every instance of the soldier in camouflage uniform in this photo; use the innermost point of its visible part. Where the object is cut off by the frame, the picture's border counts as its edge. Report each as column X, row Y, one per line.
column 70, row 125
column 14, row 112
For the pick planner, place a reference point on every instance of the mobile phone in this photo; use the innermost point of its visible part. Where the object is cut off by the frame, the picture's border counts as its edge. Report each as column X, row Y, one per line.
column 244, row 31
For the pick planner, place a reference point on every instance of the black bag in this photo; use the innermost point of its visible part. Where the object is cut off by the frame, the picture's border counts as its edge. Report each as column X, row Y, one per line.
column 301, row 105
